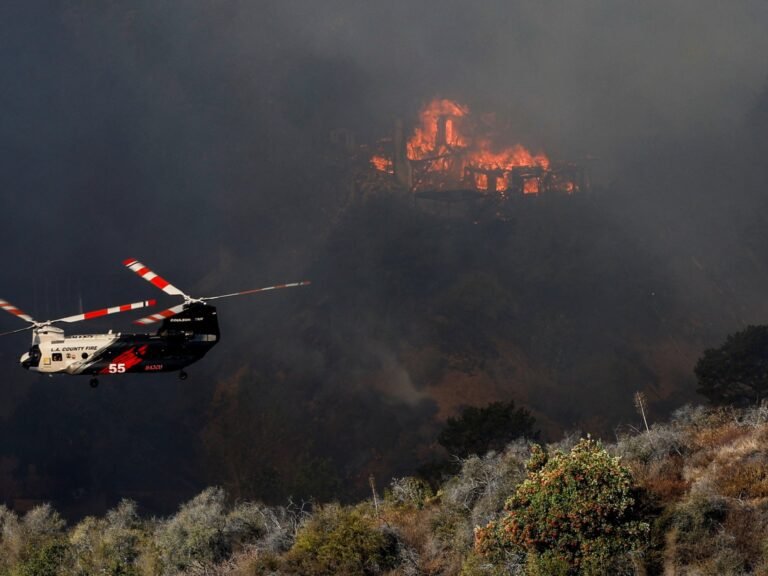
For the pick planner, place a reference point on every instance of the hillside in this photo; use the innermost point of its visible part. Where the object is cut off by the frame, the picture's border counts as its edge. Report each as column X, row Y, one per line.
column 698, row 484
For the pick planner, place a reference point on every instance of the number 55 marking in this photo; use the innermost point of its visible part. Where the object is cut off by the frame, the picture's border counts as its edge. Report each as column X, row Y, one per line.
column 117, row 368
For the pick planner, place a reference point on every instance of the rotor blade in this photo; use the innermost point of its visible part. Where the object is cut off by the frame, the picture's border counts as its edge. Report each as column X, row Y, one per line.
column 105, row 311
column 17, row 331
column 160, row 315
column 278, row 287
column 153, row 278
column 11, row 309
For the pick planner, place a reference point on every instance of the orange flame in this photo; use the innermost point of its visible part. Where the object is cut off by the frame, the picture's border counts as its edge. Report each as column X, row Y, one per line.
column 383, row 164
column 437, row 131
column 531, row 186
column 444, row 143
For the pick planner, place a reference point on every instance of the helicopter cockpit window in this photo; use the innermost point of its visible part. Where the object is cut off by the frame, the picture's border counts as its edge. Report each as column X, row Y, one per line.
column 56, row 357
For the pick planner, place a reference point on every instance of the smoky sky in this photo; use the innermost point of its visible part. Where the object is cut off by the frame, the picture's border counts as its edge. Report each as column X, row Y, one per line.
column 192, row 131
column 192, row 136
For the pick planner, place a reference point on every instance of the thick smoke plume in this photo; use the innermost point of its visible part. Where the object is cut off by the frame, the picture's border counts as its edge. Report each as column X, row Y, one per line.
column 195, row 136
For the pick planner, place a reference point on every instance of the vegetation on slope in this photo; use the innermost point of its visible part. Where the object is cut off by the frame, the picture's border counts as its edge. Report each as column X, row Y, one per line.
column 685, row 497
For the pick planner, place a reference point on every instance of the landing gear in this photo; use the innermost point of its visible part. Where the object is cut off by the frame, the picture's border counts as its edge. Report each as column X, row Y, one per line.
column 183, row 375
column 94, row 382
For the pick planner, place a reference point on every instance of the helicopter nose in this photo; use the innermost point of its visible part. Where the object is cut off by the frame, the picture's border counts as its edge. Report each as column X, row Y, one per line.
column 25, row 360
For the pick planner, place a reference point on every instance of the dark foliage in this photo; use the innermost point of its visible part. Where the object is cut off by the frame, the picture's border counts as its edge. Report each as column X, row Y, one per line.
column 737, row 371
column 479, row 430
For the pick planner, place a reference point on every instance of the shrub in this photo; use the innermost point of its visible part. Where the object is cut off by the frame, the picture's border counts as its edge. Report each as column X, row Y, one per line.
column 712, row 536
column 408, row 491
column 195, row 534
column 658, row 443
column 573, row 514
column 33, row 544
column 244, row 524
column 338, row 541
column 483, row 484
column 47, row 559
column 109, row 546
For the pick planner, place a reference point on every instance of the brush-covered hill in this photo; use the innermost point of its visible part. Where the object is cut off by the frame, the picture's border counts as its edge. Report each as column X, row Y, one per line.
column 694, row 502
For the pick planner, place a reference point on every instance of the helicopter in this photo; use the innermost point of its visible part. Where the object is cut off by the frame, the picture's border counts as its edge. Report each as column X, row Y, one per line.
column 186, row 333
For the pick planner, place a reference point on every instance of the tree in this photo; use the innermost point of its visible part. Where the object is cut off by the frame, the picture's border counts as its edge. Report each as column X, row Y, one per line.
column 574, row 514
column 479, row 430
column 737, row 371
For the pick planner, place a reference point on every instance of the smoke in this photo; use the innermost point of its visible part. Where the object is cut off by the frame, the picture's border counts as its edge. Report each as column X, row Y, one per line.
column 194, row 137
column 589, row 76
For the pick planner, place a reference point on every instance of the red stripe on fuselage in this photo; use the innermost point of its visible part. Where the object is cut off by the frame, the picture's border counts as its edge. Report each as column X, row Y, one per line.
column 129, row 358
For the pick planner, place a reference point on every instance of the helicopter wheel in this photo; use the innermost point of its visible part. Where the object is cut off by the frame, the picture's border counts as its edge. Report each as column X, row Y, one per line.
column 183, row 375
column 94, row 382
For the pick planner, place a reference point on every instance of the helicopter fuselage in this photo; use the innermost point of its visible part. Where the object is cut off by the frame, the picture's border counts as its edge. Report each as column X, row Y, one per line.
column 182, row 339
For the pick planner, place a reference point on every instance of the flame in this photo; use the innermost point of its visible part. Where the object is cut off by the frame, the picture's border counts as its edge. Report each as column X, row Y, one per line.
column 383, row 164
column 532, row 186
column 484, row 157
column 438, row 130
column 446, row 148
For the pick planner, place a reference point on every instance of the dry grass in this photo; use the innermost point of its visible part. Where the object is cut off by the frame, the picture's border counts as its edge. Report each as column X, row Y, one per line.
column 664, row 479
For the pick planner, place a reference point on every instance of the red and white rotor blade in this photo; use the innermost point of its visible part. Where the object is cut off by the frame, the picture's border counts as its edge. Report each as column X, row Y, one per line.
column 11, row 309
column 243, row 293
column 106, row 311
column 153, row 278
column 160, row 315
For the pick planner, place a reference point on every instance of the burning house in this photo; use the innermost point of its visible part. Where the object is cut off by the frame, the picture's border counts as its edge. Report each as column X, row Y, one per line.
column 451, row 158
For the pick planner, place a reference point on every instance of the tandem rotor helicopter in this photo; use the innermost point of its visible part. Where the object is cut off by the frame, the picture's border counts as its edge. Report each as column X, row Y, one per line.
column 188, row 331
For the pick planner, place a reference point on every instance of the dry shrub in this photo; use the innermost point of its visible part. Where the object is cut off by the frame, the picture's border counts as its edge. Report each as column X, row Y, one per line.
column 738, row 469
column 432, row 537
column 689, row 530
column 412, row 525
column 745, row 481
column 483, row 484
column 663, row 480
column 718, row 436
column 712, row 537
column 659, row 443
column 746, row 525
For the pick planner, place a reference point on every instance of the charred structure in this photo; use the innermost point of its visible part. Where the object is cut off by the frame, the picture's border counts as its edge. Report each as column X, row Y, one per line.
column 452, row 159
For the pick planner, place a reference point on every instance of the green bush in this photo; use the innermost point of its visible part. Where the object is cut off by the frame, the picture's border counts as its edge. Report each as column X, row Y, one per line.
column 340, row 541
column 109, row 546
column 196, row 534
column 47, row 559
column 33, row 544
column 574, row 514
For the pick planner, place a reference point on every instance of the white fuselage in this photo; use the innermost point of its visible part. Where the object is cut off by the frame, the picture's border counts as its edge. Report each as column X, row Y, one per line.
column 66, row 354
